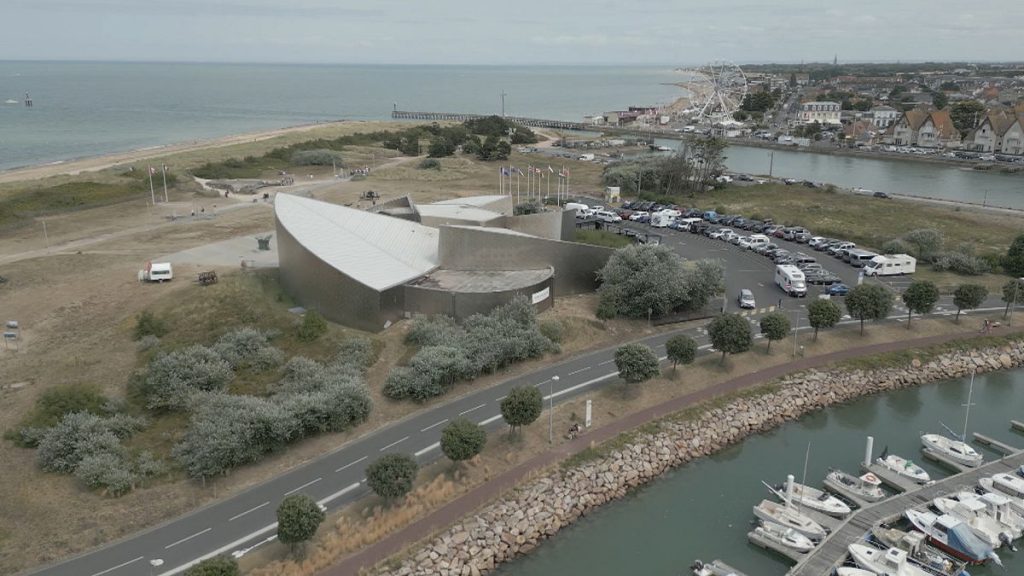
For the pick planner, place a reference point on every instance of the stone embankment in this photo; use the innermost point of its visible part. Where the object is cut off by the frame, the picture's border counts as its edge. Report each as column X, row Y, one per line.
column 520, row 521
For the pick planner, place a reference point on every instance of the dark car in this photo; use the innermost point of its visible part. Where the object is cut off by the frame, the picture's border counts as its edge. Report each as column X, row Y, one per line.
column 628, row 206
column 692, row 213
column 789, row 181
column 802, row 237
column 771, row 252
column 645, row 206
column 823, row 245
column 838, row 289
column 699, row 227
column 740, row 222
column 881, row 195
column 809, row 184
column 780, row 255
column 745, row 177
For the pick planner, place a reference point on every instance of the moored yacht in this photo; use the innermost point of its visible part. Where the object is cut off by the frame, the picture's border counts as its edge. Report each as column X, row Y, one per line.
column 890, row 562
column 953, row 536
column 790, row 518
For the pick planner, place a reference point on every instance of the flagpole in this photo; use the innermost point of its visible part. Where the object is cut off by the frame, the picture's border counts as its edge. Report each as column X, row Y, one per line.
column 152, row 194
column 517, row 188
column 164, row 169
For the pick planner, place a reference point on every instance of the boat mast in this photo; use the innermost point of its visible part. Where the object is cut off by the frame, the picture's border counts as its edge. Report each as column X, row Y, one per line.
column 967, row 413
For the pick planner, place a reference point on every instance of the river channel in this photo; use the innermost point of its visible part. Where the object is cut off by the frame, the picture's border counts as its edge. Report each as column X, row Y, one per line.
column 907, row 177
column 703, row 510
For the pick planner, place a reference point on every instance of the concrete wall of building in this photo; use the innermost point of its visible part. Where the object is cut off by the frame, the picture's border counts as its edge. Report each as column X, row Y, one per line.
column 339, row 298
column 438, row 221
column 576, row 265
column 430, row 301
column 550, row 224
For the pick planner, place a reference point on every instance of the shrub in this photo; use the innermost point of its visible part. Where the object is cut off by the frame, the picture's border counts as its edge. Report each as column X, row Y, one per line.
column 730, row 334
column 1013, row 262
column 531, row 207
column 89, row 447
column 774, row 326
column 823, row 314
column 321, row 157
column 927, row 243
column 59, row 401
column 248, row 348
column 107, row 470
column 147, row 342
column 147, row 324
column 172, row 378
column 644, row 280
column 961, row 263
column 681, row 349
column 313, row 326
column 431, row 163
column 522, row 406
column 553, row 330
column 432, row 372
column 636, row 363
column 298, row 517
column 895, row 246
column 392, row 475
column 216, row 566
column 358, row 352
column 462, row 439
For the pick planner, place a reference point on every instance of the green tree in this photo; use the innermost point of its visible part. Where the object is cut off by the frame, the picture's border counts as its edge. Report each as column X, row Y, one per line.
column 410, row 144
column 774, row 326
column 392, row 475
column 730, row 334
column 868, row 302
column 792, row 79
column 1013, row 263
column 636, row 363
column 920, row 297
column 440, row 147
column 216, row 566
column 298, row 517
column 462, row 439
column 645, row 279
column 823, row 314
column 966, row 114
column 1013, row 294
column 926, row 241
column 313, row 326
column 522, row 406
column 940, row 100
column 681, row 349
column 968, row 297
column 147, row 324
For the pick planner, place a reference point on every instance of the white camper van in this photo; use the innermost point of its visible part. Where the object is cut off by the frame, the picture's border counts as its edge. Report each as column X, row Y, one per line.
column 756, row 240
column 662, row 219
column 791, row 280
column 582, row 210
column 891, row 265
column 156, row 272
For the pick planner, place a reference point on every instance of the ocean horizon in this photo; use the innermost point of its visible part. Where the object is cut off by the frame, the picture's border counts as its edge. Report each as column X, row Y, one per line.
column 84, row 109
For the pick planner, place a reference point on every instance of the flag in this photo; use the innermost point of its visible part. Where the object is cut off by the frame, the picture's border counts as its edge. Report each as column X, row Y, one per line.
column 520, row 171
column 152, row 170
column 550, row 169
column 504, row 171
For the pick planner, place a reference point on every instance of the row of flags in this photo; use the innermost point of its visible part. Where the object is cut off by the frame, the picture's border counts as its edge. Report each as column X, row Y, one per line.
column 512, row 170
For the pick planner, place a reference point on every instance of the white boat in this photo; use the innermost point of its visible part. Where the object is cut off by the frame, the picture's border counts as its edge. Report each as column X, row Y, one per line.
column 904, row 467
column 814, row 499
column 713, row 568
column 952, row 536
column 790, row 518
column 1004, row 484
column 867, row 487
column 783, row 536
column 917, row 550
column 998, row 507
column 890, row 562
column 849, row 571
column 956, row 450
column 976, row 516
column 10, row 101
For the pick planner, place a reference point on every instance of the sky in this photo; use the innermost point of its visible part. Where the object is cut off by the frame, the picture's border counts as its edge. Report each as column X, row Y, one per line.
column 592, row 32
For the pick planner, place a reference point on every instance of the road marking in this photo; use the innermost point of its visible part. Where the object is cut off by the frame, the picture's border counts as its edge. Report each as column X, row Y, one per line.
column 220, row 550
column 434, row 425
column 578, row 371
column 310, row 483
column 433, row 446
column 583, row 385
column 338, row 494
column 350, row 464
column 237, row 516
column 394, row 443
column 471, row 409
column 489, row 420
column 122, row 565
column 704, row 347
column 187, row 538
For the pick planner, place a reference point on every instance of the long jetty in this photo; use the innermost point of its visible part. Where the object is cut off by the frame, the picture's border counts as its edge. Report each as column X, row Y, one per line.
column 826, row 556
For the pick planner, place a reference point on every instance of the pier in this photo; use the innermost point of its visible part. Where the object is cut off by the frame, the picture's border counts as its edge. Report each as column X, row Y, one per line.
column 831, row 552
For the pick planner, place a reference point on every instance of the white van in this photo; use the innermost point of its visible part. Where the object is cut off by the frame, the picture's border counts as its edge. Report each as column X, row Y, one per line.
column 662, row 219
column 156, row 272
column 791, row 280
column 607, row 216
column 890, row 265
column 581, row 209
column 686, row 223
column 859, row 258
column 756, row 240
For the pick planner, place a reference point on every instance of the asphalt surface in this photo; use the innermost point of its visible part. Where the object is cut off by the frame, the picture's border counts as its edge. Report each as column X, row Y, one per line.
column 242, row 522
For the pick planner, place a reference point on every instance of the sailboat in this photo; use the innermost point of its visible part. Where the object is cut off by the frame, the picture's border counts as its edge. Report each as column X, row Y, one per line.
column 814, row 499
column 790, row 518
column 956, row 450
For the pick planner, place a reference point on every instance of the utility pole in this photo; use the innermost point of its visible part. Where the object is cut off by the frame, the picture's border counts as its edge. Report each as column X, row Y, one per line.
column 796, row 331
column 551, row 409
column 503, row 94
column 1016, row 288
column 771, row 163
column 152, row 194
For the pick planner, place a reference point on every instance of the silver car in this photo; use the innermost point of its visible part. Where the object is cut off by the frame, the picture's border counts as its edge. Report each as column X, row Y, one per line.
column 746, row 299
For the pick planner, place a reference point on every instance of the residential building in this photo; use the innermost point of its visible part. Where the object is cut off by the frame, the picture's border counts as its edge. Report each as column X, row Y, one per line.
column 1000, row 131
column 924, row 127
column 883, row 116
column 820, row 112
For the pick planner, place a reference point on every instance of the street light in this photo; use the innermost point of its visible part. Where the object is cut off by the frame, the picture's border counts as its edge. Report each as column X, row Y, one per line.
column 551, row 409
column 1016, row 287
column 796, row 331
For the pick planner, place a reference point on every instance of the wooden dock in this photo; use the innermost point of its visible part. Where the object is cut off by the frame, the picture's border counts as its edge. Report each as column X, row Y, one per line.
column 994, row 444
column 832, row 551
column 941, row 459
column 890, row 478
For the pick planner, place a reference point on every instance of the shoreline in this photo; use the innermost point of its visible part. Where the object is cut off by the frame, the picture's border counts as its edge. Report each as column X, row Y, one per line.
column 536, row 500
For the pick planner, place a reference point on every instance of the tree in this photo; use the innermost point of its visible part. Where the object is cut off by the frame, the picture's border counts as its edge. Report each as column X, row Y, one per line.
column 216, row 566
column 392, row 475
column 920, row 297
column 730, row 333
column 792, row 79
column 312, row 327
column 940, row 100
column 645, row 279
column 1013, row 293
column 868, row 302
column 681, row 349
column 926, row 241
column 966, row 114
column 440, row 147
column 522, row 406
column 298, row 517
column 636, row 363
column 1013, row 262
column 774, row 326
column 462, row 439
column 823, row 314
column 410, row 144
column 968, row 297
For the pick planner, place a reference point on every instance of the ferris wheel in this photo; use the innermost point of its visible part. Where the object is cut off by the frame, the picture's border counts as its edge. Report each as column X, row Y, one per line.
column 717, row 89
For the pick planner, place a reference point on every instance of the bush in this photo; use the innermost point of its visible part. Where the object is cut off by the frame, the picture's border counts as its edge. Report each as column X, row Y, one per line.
column 147, row 343
column 644, row 280
column 462, row 439
column 961, row 263
column 522, row 406
column 106, row 470
column 298, row 517
column 431, row 372
column 321, row 157
column 392, row 475
column 895, row 246
column 216, row 566
column 430, row 163
column 89, row 447
column 681, row 349
column 147, row 324
column 636, row 363
column 313, row 326
column 531, row 207
column 59, row 401
column 171, row 379
column 1013, row 262
column 357, row 352
column 248, row 348
column 553, row 330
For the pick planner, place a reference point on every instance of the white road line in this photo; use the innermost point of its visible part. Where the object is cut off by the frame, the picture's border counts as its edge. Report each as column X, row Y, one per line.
column 502, row 398
column 220, row 550
column 187, row 538
column 434, row 425
column 338, row 494
column 704, row 347
column 237, row 516
column 122, row 565
column 433, row 446
column 471, row 409
column 489, row 420
column 351, row 464
column 578, row 371
column 310, row 483
column 394, row 443
column 583, row 385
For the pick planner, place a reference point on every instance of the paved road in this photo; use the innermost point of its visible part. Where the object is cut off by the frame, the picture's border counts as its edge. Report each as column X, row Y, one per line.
column 246, row 520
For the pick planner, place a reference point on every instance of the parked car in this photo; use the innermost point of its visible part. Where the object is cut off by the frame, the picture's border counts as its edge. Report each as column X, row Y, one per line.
column 735, row 239
column 636, row 216
column 802, row 237
column 815, row 240
column 745, row 299
column 841, row 247
column 763, row 250
column 717, row 234
column 744, row 242
column 792, row 233
column 838, row 289
column 780, row 255
column 771, row 229
column 880, row 195
column 788, row 181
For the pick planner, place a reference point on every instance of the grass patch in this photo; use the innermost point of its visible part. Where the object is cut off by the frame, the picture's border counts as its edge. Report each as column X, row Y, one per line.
column 19, row 208
column 602, row 238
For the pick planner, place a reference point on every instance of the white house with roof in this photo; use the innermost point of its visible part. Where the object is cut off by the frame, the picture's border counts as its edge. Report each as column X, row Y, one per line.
column 820, row 112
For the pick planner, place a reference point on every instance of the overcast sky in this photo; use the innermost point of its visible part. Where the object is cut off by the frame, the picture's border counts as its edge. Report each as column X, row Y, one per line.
column 516, row 32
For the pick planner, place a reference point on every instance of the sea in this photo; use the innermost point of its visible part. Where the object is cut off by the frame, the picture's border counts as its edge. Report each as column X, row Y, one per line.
column 84, row 109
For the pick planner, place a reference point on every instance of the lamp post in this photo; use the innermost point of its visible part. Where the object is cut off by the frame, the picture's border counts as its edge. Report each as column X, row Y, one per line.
column 1016, row 288
column 796, row 330
column 551, row 409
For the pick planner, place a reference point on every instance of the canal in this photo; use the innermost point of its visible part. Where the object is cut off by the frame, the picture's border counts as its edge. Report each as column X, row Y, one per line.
column 703, row 510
